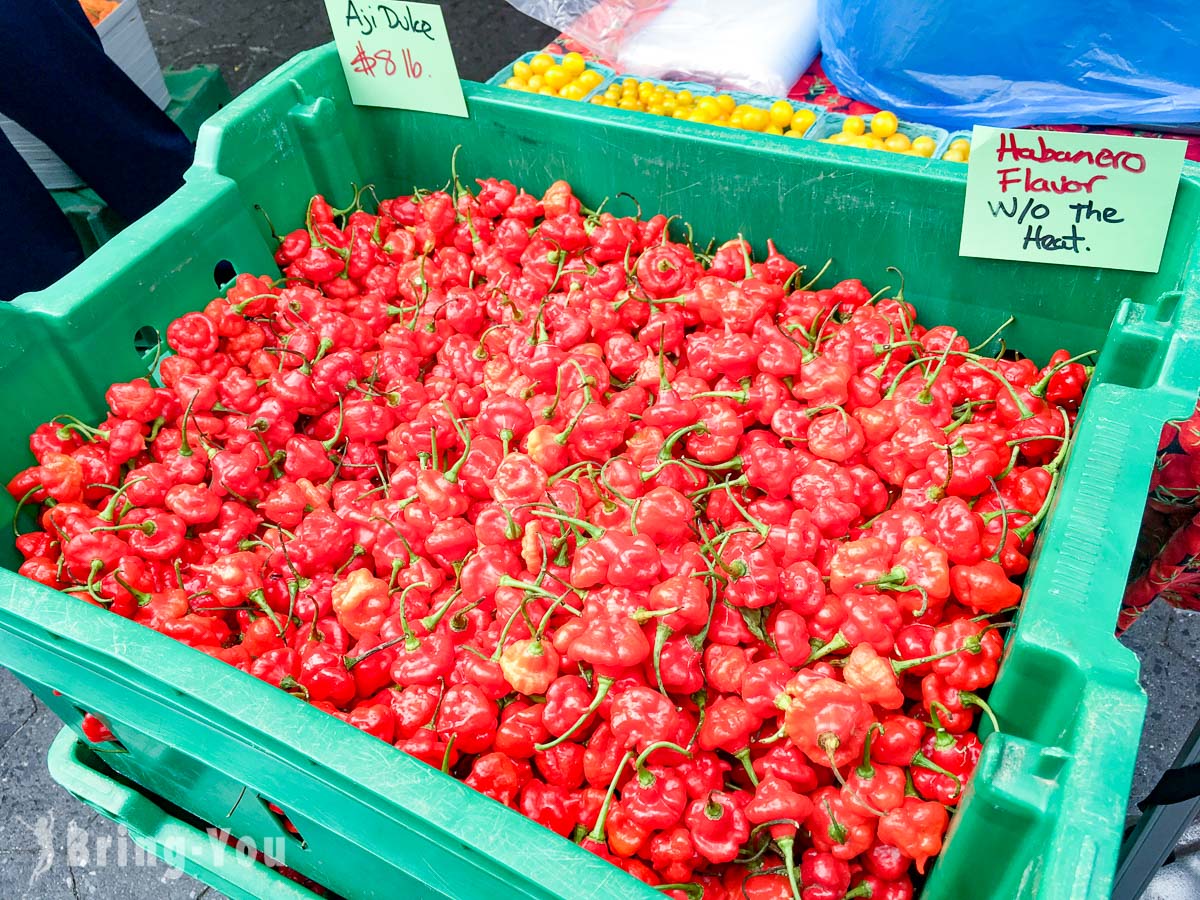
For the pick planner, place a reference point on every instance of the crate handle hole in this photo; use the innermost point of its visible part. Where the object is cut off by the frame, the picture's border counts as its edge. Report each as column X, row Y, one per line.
column 99, row 737
column 223, row 273
column 284, row 820
column 146, row 341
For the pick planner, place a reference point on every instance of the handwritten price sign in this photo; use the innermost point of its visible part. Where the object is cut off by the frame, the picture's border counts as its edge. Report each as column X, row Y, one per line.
column 1094, row 200
column 397, row 55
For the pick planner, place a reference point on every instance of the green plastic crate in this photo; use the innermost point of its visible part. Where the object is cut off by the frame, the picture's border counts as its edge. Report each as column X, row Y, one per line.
column 196, row 94
column 164, row 833
column 1045, row 810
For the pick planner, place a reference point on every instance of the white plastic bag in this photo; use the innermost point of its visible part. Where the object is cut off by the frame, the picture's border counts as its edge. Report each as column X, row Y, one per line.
column 762, row 47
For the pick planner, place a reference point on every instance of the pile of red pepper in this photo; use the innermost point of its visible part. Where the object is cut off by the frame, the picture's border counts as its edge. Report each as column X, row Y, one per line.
column 1167, row 560
column 686, row 561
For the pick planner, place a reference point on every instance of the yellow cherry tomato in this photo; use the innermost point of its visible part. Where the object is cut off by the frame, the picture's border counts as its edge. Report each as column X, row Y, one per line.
column 737, row 119
column 726, row 103
column 556, row 77
column 589, row 79
column 515, row 84
column 684, row 97
column 540, row 63
column 781, row 114
column 599, row 100
column 681, row 112
column 962, row 145
column 841, row 137
column 756, row 119
column 709, row 106
column 803, row 120
column 629, row 103
column 954, row 156
column 884, row 124
column 573, row 62
column 669, row 107
column 773, row 129
column 548, row 91
column 793, row 133
column 536, row 82
column 522, row 70
column 873, row 142
column 854, row 126
column 655, row 109
column 572, row 91
column 898, row 142
column 924, row 145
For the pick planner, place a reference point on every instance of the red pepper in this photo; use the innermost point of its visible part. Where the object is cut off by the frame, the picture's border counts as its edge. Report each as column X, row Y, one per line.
column 826, row 719
column 718, row 825
column 553, row 807
column 836, row 827
column 974, row 665
column 945, row 764
column 916, row 829
column 775, row 800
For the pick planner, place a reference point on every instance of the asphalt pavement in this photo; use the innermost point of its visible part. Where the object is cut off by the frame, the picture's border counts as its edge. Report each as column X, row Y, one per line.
column 54, row 848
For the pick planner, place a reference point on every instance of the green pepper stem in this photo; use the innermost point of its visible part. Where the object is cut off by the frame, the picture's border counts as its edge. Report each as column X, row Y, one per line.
column 991, row 337
column 757, row 524
column 464, row 434
column 743, row 756
column 432, row 620
column 866, row 770
column 565, row 435
column 185, row 448
column 142, row 597
column 817, row 277
column 740, row 481
column 924, row 762
column 259, row 599
column 603, row 683
column 410, row 640
column 669, row 442
column 337, row 433
column 503, row 639
column 110, row 509
column 25, row 498
column 661, row 634
column 837, row 642
column 640, row 762
column 593, row 531
column 787, row 848
column 690, row 888
column 1025, row 411
column 970, row 698
column 597, row 833
column 1039, row 388
column 446, row 754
